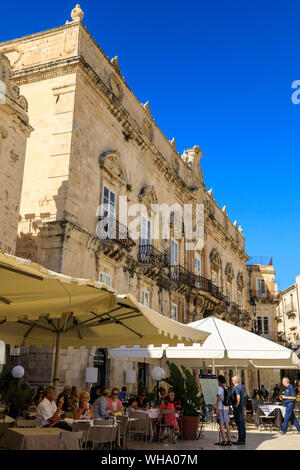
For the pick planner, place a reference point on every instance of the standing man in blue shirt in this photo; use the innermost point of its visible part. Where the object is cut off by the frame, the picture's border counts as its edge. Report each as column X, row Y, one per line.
column 289, row 399
column 238, row 410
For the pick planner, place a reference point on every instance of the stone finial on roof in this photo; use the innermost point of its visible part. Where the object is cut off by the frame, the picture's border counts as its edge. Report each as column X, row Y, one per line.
column 173, row 143
column 77, row 14
column 240, row 229
column 147, row 108
column 210, row 192
column 224, row 210
column 115, row 63
column 235, row 224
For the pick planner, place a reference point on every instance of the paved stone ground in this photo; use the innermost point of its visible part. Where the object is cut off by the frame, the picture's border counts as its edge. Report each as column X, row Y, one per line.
column 256, row 440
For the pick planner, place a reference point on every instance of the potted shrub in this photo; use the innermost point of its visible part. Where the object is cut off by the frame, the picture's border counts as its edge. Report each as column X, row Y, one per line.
column 15, row 393
column 187, row 391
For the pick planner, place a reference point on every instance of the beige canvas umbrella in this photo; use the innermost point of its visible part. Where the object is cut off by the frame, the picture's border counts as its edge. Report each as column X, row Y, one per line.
column 227, row 346
column 40, row 307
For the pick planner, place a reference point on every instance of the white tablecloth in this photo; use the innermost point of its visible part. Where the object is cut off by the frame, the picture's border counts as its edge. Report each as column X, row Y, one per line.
column 267, row 409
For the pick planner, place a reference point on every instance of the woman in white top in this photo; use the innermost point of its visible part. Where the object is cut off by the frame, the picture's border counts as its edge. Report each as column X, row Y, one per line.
column 83, row 409
column 223, row 412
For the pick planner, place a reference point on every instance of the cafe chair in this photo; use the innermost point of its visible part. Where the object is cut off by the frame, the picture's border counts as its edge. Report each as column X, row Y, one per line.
column 123, row 423
column 102, row 436
column 77, row 427
column 68, row 439
column 140, row 426
column 166, row 426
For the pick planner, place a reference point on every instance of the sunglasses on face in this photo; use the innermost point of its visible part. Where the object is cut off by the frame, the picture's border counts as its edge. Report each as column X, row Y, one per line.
column 115, row 393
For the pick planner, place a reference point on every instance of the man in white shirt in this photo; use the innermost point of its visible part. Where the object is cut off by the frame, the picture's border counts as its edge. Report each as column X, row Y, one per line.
column 48, row 413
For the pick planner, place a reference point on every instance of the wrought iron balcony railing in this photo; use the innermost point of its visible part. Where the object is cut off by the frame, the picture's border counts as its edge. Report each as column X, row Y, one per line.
column 112, row 229
column 206, row 285
column 148, row 254
column 180, row 274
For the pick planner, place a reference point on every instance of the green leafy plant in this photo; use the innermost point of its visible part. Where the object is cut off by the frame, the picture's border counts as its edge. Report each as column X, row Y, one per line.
column 185, row 388
column 15, row 393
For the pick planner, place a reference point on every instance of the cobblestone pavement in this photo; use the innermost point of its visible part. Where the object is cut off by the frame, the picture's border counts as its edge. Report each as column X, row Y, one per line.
column 256, row 440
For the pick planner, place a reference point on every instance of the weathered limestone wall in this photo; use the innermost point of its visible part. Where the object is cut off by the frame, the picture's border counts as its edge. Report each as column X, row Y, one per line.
column 14, row 131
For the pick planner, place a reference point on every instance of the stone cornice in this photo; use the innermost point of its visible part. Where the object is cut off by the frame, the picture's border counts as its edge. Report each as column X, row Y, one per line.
column 227, row 237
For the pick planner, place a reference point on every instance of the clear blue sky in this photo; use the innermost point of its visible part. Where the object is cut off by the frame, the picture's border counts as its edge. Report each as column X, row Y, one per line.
column 217, row 74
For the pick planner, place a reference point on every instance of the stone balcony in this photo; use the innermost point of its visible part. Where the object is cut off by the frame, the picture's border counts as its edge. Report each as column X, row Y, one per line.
column 115, row 239
column 152, row 262
column 290, row 311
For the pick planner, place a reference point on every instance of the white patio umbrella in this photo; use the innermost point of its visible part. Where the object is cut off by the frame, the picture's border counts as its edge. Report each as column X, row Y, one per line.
column 226, row 346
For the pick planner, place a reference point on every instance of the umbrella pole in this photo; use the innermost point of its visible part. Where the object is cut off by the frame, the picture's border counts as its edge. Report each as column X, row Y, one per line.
column 56, row 361
column 213, row 367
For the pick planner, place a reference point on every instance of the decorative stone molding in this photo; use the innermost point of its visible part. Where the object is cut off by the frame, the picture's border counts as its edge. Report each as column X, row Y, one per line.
column 116, row 86
column 229, row 273
column 12, row 92
column 111, row 161
column 240, row 280
column 215, row 259
column 148, row 129
column 148, row 195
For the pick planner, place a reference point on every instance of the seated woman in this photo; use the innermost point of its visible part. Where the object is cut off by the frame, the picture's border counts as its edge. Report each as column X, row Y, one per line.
column 143, row 403
column 132, row 404
column 169, row 419
column 39, row 396
column 114, row 403
column 83, row 409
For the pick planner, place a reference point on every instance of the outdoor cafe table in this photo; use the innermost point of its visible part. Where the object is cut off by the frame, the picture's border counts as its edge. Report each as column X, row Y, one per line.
column 34, row 439
column 4, row 425
column 278, row 411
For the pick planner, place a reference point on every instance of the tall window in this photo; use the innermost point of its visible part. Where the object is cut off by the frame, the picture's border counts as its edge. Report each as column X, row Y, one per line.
column 263, row 325
column 214, row 277
column 174, row 312
column 145, row 231
column 240, row 300
column 105, row 278
column 109, row 203
column 145, row 298
column 197, row 264
column 174, row 253
column 228, row 296
column 261, row 290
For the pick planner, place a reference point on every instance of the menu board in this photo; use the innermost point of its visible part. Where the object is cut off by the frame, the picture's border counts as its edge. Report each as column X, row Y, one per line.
column 209, row 385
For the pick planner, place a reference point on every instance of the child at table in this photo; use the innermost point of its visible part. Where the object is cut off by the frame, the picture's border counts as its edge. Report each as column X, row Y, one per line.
column 169, row 419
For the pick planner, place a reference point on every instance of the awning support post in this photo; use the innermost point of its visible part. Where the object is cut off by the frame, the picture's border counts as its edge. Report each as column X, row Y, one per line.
column 56, row 361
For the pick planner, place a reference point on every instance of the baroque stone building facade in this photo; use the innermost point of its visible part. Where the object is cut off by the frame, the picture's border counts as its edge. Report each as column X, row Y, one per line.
column 288, row 315
column 14, row 131
column 93, row 143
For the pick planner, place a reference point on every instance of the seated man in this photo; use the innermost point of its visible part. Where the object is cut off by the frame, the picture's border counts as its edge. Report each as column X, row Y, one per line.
column 100, row 406
column 48, row 413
